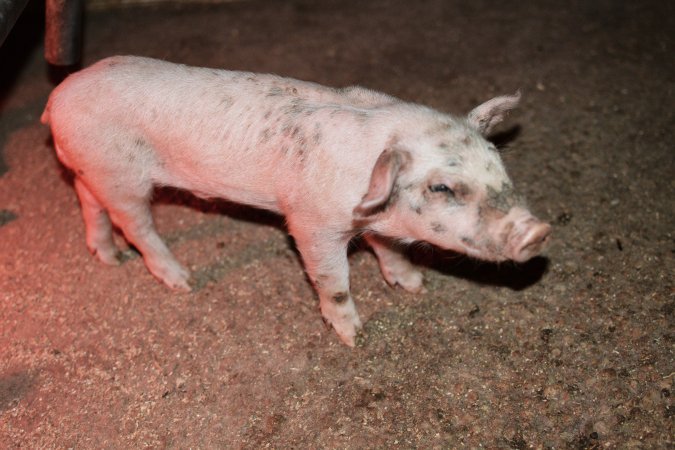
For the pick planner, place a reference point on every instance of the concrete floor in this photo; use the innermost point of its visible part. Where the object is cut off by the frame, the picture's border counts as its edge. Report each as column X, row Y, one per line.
column 571, row 350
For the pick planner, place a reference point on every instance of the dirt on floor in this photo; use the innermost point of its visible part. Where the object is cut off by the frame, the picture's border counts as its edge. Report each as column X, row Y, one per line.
column 570, row 350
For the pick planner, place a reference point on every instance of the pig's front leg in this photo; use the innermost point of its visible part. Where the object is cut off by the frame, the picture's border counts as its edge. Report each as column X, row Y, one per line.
column 395, row 267
column 325, row 258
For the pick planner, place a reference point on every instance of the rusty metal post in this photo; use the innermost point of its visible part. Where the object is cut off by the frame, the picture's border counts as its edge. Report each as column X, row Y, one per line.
column 63, row 33
column 10, row 10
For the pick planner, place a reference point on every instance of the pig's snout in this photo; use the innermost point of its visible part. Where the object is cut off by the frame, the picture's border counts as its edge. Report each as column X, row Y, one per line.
column 528, row 238
column 521, row 235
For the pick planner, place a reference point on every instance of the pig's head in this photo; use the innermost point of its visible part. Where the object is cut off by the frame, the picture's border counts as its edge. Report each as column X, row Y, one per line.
column 446, row 184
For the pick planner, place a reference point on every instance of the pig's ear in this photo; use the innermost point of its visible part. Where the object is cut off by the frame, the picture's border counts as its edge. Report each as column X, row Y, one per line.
column 484, row 117
column 382, row 182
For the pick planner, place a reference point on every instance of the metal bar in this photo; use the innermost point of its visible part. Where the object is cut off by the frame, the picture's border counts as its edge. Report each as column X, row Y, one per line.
column 63, row 33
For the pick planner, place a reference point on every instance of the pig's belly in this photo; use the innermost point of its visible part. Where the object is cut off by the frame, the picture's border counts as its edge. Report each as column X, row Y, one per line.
column 221, row 184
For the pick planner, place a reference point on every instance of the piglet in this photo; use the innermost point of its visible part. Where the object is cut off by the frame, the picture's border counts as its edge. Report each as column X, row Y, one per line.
column 336, row 163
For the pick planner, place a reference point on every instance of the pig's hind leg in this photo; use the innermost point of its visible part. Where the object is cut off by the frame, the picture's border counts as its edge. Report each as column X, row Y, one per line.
column 132, row 215
column 98, row 226
column 395, row 267
column 127, row 201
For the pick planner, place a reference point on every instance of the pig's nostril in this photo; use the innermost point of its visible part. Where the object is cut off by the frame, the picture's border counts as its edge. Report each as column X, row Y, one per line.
column 533, row 243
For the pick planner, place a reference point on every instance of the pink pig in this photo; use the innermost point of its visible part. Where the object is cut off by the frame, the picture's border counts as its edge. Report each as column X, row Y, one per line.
column 336, row 163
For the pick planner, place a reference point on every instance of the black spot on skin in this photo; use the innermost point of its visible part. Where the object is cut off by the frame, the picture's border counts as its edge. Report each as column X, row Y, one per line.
column 275, row 91
column 6, row 216
column 468, row 241
column 139, row 142
column 291, row 90
column 444, row 145
column 302, row 148
column 296, row 135
column 226, row 101
column 340, row 297
column 80, row 172
column 297, row 106
column 438, row 227
column 268, row 114
column 461, row 190
column 265, row 135
column 362, row 116
column 504, row 199
column 440, row 127
column 316, row 138
column 455, row 161
column 480, row 213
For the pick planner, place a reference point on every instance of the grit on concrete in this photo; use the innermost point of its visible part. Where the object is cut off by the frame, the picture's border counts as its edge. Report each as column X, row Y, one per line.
column 571, row 350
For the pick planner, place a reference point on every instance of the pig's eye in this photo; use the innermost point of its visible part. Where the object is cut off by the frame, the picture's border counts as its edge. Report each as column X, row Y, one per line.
column 441, row 188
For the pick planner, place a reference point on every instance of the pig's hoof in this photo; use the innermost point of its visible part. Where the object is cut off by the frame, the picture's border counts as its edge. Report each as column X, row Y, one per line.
column 180, row 284
column 183, row 285
column 348, row 336
column 412, row 280
column 175, row 276
column 346, row 328
column 110, row 256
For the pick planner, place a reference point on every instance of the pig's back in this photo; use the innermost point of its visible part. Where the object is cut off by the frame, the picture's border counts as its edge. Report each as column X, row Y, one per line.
column 218, row 133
